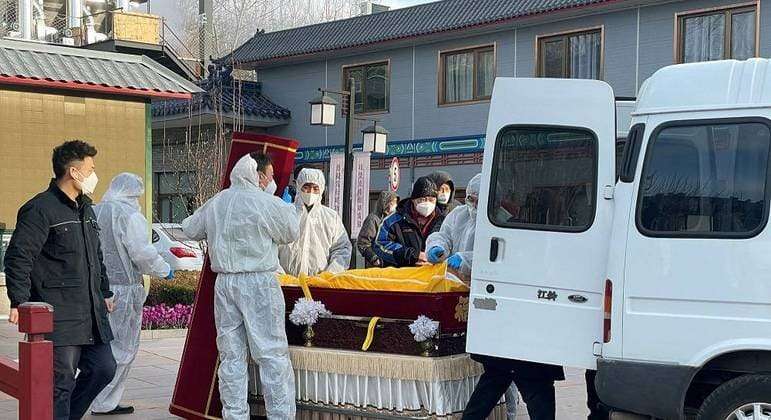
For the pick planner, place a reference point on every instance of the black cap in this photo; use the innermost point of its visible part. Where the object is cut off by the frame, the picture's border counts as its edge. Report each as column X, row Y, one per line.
column 423, row 187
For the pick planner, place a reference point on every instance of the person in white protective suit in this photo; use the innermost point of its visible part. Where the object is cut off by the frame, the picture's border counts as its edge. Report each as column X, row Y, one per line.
column 323, row 244
column 455, row 243
column 244, row 225
column 128, row 254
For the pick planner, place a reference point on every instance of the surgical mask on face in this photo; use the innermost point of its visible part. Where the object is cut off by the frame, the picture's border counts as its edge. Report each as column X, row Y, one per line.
column 271, row 188
column 88, row 184
column 425, row 208
column 443, row 198
column 310, row 199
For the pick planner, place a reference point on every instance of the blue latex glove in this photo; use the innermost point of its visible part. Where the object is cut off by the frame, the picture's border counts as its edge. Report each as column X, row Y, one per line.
column 170, row 275
column 286, row 196
column 435, row 253
column 455, row 261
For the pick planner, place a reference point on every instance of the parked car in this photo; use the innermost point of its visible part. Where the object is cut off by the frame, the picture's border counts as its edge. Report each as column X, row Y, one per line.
column 176, row 248
column 658, row 279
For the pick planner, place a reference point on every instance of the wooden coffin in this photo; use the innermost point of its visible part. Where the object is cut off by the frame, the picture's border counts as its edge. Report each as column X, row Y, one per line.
column 450, row 308
column 389, row 336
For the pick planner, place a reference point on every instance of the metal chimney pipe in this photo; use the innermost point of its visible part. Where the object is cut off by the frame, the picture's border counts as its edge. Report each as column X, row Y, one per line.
column 74, row 13
column 25, row 18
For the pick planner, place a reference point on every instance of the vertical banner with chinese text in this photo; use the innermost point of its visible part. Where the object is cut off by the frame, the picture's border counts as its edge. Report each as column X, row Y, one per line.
column 335, row 182
column 360, row 191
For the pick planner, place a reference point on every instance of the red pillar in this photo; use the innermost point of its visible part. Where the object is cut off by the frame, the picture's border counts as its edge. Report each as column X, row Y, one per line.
column 36, row 391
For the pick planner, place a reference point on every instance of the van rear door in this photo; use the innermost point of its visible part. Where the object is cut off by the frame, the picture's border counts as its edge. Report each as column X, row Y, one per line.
column 544, row 222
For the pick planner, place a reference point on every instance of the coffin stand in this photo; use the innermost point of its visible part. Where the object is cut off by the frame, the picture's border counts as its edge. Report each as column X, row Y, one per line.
column 334, row 379
column 336, row 384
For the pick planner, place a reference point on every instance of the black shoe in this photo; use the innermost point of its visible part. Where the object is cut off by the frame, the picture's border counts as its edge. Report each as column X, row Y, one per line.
column 117, row 410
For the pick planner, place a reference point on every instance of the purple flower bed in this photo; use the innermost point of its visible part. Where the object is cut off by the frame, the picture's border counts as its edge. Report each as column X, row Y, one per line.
column 162, row 317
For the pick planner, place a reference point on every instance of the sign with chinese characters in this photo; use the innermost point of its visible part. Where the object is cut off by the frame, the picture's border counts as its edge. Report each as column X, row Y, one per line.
column 336, row 179
column 360, row 190
column 393, row 174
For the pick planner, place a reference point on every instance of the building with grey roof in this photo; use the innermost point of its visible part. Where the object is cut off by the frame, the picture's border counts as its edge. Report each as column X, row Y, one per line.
column 426, row 72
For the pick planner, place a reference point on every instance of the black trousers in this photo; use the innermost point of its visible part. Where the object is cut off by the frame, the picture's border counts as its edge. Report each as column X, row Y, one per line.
column 535, row 383
column 72, row 396
column 597, row 411
column 537, row 392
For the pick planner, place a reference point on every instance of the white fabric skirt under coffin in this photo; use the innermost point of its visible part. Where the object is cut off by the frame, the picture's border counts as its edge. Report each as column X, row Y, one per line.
column 435, row 397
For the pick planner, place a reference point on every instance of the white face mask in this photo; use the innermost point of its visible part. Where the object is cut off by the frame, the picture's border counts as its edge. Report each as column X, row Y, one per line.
column 443, row 198
column 472, row 211
column 271, row 188
column 88, row 185
column 310, row 199
column 425, row 208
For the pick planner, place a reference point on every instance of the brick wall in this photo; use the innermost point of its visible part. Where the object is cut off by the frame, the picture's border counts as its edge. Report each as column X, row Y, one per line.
column 32, row 124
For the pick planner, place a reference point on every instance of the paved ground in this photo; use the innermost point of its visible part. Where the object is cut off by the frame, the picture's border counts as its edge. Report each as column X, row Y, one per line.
column 152, row 381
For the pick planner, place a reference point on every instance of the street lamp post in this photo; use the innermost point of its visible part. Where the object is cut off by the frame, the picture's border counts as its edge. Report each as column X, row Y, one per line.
column 374, row 137
column 322, row 113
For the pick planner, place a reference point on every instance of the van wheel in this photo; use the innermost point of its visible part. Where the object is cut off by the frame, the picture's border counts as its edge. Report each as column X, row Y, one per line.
column 744, row 398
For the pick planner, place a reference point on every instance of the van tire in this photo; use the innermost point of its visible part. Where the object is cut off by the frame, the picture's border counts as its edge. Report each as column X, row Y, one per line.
column 734, row 394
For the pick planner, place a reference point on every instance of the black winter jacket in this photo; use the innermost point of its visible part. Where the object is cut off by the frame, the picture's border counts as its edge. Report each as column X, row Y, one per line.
column 399, row 241
column 55, row 257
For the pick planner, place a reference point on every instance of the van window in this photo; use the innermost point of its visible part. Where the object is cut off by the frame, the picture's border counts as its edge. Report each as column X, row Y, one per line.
column 630, row 154
column 706, row 180
column 544, row 178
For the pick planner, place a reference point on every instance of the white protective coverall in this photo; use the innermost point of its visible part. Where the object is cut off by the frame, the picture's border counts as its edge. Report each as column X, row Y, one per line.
column 128, row 254
column 244, row 226
column 457, row 236
column 323, row 244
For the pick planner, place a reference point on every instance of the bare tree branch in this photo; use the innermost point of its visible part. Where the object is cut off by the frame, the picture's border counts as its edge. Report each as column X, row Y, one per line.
column 235, row 21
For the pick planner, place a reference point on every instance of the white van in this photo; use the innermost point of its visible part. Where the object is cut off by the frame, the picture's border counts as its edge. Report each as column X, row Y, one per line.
column 659, row 276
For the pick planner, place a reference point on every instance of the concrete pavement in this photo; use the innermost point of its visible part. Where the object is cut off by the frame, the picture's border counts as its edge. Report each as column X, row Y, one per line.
column 152, row 379
column 148, row 389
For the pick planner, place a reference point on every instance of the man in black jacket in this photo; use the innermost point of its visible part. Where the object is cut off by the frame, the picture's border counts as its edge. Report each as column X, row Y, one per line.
column 55, row 257
column 401, row 238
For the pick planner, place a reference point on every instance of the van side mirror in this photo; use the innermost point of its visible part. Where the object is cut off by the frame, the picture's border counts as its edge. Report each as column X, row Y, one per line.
column 631, row 153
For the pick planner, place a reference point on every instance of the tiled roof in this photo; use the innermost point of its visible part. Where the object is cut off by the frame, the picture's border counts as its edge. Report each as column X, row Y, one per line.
column 35, row 64
column 425, row 19
column 221, row 93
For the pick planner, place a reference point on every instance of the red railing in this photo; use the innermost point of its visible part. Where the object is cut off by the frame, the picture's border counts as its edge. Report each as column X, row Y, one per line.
column 31, row 379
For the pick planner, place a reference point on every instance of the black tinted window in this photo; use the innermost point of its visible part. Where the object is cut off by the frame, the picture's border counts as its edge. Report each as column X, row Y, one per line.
column 706, row 179
column 544, row 178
